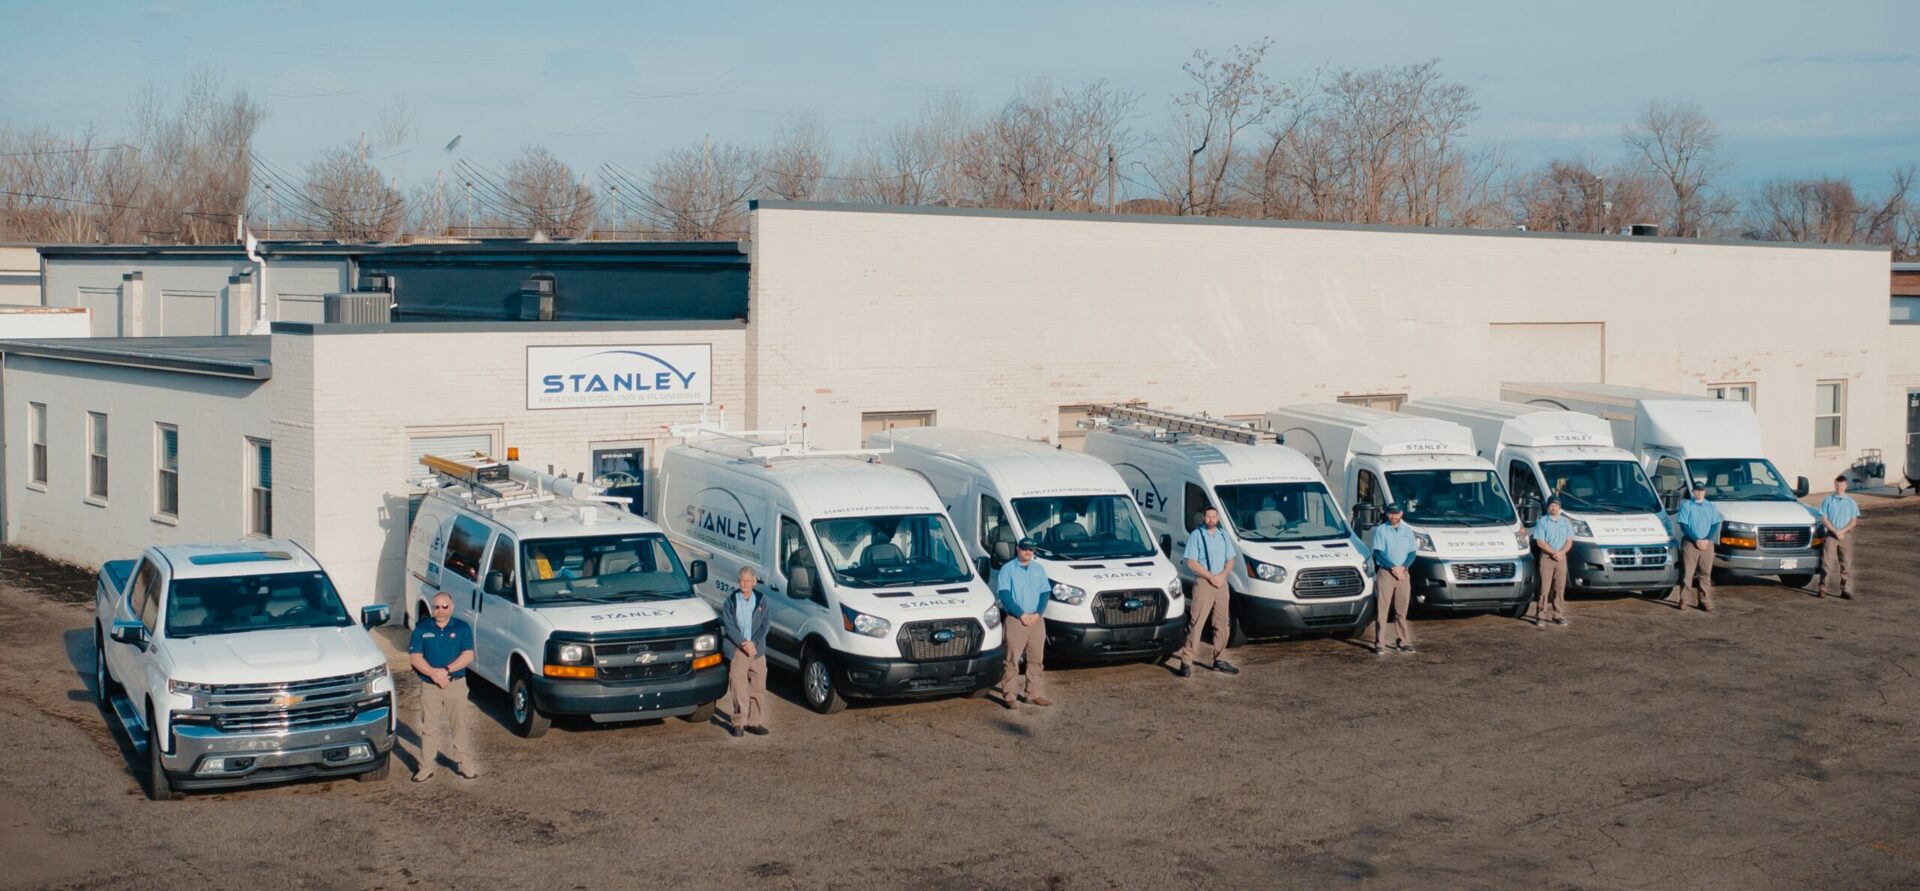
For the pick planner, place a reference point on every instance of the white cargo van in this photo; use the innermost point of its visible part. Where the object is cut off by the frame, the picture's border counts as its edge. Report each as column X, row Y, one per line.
column 1301, row 571
column 869, row 593
column 1622, row 540
column 578, row 607
column 1115, row 596
column 1679, row 438
column 1474, row 552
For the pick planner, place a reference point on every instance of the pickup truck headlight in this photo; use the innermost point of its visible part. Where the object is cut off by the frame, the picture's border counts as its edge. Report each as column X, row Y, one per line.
column 991, row 618
column 1069, row 594
column 861, row 623
column 1582, row 528
column 1266, row 572
column 1423, row 542
column 705, row 643
column 189, row 688
column 1173, row 589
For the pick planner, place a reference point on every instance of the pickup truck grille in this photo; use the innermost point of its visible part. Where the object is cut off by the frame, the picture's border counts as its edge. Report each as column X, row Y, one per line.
column 299, row 718
column 1483, row 572
column 1330, row 581
column 239, row 697
column 922, row 641
column 653, row 672
column 1110, row 609
column 1785, row 537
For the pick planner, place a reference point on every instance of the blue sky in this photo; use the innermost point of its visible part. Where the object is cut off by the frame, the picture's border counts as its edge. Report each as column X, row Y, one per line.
column 1798, row 88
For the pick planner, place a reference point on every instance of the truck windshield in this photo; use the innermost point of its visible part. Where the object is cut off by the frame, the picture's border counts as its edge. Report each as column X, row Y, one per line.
column 239, row 603
column 1452, row 497
column 1084, row 527
column 1282, row 511
column 885, row 551
column 1739, row 479
column 1608, row 487
column 602, row 569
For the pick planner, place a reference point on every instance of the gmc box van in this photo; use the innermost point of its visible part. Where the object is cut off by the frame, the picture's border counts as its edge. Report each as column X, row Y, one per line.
column 1115, row 596
column 1621, row 537
column 578, row 606
column 1301, row 572
column 869, row 593
column 1680, row 438
column 1474, row 551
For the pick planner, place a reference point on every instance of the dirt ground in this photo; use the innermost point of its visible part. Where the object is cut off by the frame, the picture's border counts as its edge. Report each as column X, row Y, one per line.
column 1771, row 744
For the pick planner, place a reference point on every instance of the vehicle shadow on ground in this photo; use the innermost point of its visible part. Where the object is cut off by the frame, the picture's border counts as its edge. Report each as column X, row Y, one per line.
column 79, row 646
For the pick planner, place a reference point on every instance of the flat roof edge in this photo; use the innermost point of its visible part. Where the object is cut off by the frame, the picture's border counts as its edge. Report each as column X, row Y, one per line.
column 250, row 371
column 318, row 329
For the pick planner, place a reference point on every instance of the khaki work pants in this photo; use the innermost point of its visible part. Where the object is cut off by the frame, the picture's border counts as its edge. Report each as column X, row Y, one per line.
column 1696, row 567
column 1836, row 564
column 1029, row 642
column 747, row 689
column 1552, row 602
column 1392, row 595
column 443, row 726
column 1209, row 604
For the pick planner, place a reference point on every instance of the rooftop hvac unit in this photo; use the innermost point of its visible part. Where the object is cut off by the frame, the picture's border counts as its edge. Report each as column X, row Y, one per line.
column 359, row 308
column 536, row 298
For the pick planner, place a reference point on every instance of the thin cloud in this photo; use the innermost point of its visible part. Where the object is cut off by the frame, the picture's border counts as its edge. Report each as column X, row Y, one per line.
column 1843, row 59
column 165, row 10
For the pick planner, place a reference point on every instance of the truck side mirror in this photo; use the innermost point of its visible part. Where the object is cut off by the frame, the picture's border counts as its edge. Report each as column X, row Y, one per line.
column 1801, row 488
column 495, row 583
column 802, row 583
column 128, row 631
column 697, row 571
column 1670, row 500
column 376, row 615
column 1366, row 515
column 1530, row 512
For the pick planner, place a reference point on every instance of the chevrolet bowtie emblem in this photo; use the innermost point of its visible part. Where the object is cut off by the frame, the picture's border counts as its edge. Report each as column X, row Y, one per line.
column 286, row 699
column 647, row 658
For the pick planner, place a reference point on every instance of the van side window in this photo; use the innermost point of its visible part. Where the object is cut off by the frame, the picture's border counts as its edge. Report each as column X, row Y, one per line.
column 502, row 562
column 1668, row 476
column 1196, row 506
column 794, row 551
column 1366, row 490
column 1521, row 485
column 464, row 547
column 993, row 524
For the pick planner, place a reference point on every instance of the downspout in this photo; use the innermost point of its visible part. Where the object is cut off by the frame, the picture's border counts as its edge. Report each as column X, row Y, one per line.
column 261, row 325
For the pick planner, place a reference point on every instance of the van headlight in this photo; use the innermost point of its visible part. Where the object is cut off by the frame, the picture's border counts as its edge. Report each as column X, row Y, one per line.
column 572, row 654
column 1423, row 542
column 705, row 643
column 1069, row 594
column 1266, row 572
column 991, row 618
column 1521, row 538
column 861, row 623
column 1582, row 528
column 1173, row 589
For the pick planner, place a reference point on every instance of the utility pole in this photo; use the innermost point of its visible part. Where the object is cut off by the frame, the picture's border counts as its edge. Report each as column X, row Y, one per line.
column 269, row 228
column 469, row 209
column 1111, row 202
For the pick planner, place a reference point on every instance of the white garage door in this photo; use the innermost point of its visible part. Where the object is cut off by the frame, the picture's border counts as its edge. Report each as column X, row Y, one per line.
column 191, row 314
column 103, row 305
column 1568, row 353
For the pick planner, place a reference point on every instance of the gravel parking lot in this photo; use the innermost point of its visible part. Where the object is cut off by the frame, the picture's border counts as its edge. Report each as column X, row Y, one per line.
column 1769, row 744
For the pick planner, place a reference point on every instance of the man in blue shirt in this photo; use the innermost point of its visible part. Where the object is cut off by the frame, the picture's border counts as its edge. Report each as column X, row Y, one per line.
column 1838, row 515
column 1699, row 524
column 1210, row 554
column 743, row 632
column 1022, row 589
column 1552, row 538
column 441, row 650
column 1393, row 546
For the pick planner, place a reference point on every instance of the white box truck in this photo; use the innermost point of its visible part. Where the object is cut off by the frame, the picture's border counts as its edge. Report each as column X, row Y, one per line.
column 1115, row 596
column 1622, row 540
column 1678, row 437
column 869, row 593
column 1474, row 552
column 1301, row 571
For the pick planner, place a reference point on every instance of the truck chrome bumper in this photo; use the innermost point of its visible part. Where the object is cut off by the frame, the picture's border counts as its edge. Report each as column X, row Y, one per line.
column 204, row 757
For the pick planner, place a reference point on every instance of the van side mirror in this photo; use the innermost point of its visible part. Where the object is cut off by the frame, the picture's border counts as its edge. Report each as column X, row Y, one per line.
column 495, row 583
column 128, row 631
column 697, row 571
column 376, row 615
column 1366, row 515
column 1801, row 488
column 1530, row 512
column 802, row 582
column 986, row 569
column 1166, row 545
column 1670, row 500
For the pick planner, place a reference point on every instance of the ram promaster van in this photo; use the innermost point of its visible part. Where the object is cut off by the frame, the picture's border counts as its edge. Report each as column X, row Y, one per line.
column 578, row 607
column 1474, row 552
column 1301, row 571
column 1115, row 596
column 869, row 593
column 1621, row 537
column 1679, row 438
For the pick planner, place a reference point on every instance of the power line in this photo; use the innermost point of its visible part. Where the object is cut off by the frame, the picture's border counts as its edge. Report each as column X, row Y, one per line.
column 72, row 200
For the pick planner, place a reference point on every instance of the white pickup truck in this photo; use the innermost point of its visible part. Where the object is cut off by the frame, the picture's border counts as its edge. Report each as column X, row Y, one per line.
column 235, row 664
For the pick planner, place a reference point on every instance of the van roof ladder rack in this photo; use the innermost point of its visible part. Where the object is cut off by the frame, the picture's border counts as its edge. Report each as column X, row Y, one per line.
column 767, row 445
column 1139, row 419
column 489, row 482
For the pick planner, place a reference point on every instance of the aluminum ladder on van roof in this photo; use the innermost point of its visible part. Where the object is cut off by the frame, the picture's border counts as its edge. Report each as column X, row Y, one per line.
column 490, row 483
column 1172, row 424
column 762, row 444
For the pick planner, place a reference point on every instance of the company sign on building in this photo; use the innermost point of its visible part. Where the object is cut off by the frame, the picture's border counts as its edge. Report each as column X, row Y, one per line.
column 619, row 376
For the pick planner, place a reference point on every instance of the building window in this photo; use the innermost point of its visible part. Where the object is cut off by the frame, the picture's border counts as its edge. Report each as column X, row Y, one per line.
column 1381, row 401
column 1906, row 310
column 166, row 463
column 260, row 488
column 96, row 456
column 880, row 421
column 1829, row 414
column 37, row 439
column 1732, row 392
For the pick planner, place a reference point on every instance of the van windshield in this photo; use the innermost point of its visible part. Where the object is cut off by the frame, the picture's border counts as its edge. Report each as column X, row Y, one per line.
column 602, row 569
column 1282, row 511
column 1084, row 527
column 1452, row 497
column 240, row 603
column 884, row 551
column 1608, row 487
column 1739, row 479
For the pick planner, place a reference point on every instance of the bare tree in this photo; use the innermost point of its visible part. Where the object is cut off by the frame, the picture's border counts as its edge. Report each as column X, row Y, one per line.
column 796, row 164
column 1680, row 145
column 1573, row 196
column 355, row 203
column 1050, row 149
column 696, row 193
column 1229, row 96
column 1828, row 209
column 196, row 158
column 913, row 162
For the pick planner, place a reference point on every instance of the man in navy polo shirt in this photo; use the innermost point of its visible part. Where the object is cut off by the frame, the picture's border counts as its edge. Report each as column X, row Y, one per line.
column 442, row 649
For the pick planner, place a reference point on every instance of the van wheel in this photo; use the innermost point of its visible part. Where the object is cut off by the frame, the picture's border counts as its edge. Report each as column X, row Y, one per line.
column 816, row 683
column 159, row 787
column 103, row 684
column 1519, row 610
column 703, row 714
column 528, row 720
column 1800, row 580
column 1236, row 635
column 379, row 771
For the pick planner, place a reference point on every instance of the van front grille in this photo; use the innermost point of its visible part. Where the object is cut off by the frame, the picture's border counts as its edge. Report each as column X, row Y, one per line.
column 940, row 639
column 1122, row 609
column 1327, row 582
column 1483, row 572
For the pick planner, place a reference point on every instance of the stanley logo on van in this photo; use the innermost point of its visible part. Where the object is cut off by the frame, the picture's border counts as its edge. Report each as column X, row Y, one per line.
column 723, row 523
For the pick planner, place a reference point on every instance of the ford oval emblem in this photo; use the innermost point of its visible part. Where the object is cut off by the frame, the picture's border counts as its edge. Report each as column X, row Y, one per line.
column 1132, row 603
column 942, row 636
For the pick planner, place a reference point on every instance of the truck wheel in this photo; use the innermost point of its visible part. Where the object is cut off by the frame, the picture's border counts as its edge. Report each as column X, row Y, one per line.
column 816, row 683
column 159, row 787
column 528, row 720
column 1797, row 581
column 703, row 714
column 103, row 683
column 379, row 771
column 1236, row 635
